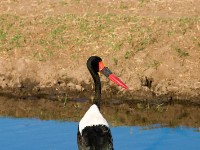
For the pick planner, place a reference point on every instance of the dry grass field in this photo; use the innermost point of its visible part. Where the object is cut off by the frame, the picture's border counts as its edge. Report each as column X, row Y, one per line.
column 152, row 45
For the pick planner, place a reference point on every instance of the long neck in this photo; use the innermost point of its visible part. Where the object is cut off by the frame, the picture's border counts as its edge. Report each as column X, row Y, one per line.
column 97, row 83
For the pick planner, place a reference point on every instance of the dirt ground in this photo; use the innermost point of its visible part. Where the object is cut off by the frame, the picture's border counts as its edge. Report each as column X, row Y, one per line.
column 153, row 46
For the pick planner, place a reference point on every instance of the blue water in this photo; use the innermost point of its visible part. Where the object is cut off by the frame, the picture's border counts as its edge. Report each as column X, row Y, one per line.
column 35, row 134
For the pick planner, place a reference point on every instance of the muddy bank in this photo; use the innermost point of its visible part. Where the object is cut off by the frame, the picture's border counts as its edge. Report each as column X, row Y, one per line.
column 29, row 79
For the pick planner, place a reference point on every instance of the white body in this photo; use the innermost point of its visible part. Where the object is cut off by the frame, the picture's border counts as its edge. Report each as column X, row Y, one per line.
column 92, row 117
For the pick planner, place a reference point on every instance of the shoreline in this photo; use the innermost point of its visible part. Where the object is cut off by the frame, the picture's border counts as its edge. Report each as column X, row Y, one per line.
column 154, row 49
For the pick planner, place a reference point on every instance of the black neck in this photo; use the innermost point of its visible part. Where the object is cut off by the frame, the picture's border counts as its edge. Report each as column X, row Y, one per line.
column 93, row 67
column 97, row 83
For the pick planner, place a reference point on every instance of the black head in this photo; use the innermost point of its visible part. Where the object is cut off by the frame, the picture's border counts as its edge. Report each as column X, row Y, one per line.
column 93, row 64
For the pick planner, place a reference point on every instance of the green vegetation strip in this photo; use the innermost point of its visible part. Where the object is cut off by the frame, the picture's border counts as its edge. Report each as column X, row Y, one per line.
column 44, row 37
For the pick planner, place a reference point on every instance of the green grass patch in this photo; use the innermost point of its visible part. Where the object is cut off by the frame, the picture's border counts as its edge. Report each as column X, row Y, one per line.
column 181, row 52
column 154, row 64
column 50, row 35
column 2, row 35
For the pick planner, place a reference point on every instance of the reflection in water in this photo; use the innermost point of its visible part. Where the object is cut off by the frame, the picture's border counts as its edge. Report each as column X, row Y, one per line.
column 122, row 113
column 34, row 134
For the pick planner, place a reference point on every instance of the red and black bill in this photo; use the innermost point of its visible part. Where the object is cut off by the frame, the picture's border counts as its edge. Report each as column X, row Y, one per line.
column 104, row 70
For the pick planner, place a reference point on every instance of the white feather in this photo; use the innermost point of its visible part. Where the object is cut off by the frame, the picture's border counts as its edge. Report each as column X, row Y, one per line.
column 92, row 117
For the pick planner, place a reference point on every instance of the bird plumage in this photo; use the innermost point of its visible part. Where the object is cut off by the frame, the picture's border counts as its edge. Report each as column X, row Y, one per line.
column 92, row 117
column 93, row 130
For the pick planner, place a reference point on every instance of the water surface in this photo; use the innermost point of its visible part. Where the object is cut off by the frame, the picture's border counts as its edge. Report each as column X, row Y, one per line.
column 35, row 134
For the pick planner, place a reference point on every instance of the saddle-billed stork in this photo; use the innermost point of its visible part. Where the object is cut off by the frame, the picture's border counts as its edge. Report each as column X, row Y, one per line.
column 93, row 129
